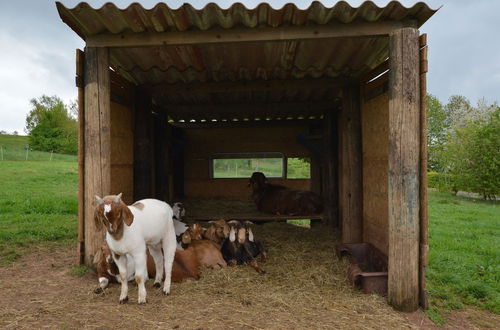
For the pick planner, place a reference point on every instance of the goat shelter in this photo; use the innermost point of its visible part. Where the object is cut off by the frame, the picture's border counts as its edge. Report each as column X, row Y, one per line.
column 181, row 103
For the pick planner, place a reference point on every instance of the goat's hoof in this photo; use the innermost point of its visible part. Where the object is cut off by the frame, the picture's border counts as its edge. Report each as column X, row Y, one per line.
column 157, row 285
column 166, row 293
column 142, row 302
column 98, row 290
column 124, row 300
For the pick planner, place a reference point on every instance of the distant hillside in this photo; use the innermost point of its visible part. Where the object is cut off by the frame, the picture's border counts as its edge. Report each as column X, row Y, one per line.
column 13, row 147
column 14, row 142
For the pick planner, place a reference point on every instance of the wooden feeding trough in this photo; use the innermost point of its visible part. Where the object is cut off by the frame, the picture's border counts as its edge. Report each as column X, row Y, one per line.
column 368, row 267
column 165, row 94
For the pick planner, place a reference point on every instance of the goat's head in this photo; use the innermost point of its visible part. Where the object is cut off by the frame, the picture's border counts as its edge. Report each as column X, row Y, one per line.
column 237, row 231
column 193, row 233
column 257, row 181
column 179, row 210
column 221, row 228
column 112, row 213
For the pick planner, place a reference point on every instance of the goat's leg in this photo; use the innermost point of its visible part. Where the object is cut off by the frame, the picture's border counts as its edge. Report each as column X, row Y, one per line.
column 121, row 262
column 256, row 266
column 169, row 244
column 141, row 273
column 158, row 258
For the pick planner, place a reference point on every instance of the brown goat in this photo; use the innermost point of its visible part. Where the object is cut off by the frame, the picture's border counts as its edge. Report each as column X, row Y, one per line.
column 185, row 266
column 207, row 252
column 276, row 199
column 217, row 231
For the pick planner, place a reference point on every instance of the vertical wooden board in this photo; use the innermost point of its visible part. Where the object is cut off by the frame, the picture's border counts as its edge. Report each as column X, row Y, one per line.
column 351, row 197
column 404, row 98
column 424, row 216
column 97, row 141
column 80, row 58
column 375, row 132
column 143, row 184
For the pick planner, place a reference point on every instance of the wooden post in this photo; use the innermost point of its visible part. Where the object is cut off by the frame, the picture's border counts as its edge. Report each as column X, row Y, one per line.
column 143, row 162
column 330, row 164
column 97, row 174
column 404, row 149
column 81, row 156
column 424, row 217
column 160, row 151
column 350, row 174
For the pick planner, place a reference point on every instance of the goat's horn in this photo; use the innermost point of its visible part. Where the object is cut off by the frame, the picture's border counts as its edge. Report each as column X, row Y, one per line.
column 118, row 198
column 99, row 200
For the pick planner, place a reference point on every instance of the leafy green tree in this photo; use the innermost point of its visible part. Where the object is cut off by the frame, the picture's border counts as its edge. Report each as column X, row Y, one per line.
column 437, row 127
column 51, row 127
column 472, row 156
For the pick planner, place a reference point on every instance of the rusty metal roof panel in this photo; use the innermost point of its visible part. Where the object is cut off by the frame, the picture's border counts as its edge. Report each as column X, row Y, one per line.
column 243, row 61
column 87, row 21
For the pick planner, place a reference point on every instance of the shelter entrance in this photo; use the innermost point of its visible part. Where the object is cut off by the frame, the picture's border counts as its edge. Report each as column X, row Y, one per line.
column 167, row 97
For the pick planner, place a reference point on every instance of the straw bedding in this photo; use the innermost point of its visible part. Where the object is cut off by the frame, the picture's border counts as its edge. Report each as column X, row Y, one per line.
column 305, row 287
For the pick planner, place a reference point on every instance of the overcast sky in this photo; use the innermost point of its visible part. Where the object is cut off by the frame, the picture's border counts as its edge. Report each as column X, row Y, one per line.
column 37, row 52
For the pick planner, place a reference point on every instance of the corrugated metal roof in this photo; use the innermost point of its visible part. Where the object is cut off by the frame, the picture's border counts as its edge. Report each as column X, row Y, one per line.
column 240, row 62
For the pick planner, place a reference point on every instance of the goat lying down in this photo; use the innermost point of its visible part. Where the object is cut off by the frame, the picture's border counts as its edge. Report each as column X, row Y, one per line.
column 276, row 199
column 185, row 266
column 129, row 230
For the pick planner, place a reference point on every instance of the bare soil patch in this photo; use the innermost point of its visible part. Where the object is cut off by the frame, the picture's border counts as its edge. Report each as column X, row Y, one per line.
column 304, row 288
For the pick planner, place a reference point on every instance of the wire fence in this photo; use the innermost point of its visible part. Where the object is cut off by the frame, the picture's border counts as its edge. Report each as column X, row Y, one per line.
column 10, row 154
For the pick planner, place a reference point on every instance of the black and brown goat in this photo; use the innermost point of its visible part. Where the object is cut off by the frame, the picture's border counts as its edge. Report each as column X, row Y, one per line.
column 241, row 248
column 276, row 199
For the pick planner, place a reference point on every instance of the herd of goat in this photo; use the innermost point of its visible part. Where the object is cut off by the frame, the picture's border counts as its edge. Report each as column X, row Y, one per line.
column 149, row 240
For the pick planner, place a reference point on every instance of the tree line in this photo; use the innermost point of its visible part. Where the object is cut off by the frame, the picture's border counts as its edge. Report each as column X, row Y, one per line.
column 464, row 146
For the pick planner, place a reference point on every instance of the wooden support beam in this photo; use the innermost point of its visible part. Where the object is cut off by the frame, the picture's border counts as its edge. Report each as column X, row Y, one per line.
column 351, row 176
column 143, row 147
column 330, row 168
column 261, row 110
column 161, row 160
column 221, row 36
column 403, row 189
column 424, row 216
column 80, row 67
column 97, row 176
column 249, row 86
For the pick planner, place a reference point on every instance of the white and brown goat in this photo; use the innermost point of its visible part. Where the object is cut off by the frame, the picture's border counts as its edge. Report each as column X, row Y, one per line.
column 130, row 230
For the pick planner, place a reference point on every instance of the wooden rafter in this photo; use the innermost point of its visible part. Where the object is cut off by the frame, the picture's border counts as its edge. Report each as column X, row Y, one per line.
column 249, row 86
column 130, row 39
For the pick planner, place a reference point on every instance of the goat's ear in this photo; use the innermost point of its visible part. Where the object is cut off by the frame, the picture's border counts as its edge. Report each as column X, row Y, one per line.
column 99, row 200
column 248, row 223
column 118, row 198
column 186, row 238
column 233, row 222
column 97, row 219
column 127, row 216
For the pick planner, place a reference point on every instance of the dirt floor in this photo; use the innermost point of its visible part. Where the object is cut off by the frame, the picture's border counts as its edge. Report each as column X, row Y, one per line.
column 304, row 288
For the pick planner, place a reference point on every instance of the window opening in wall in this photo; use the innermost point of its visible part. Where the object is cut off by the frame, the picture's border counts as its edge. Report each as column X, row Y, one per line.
column 298, row 168
column 242, row 165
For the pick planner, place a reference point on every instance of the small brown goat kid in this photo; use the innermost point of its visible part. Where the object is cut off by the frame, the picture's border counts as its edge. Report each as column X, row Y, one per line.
column 217, row 231
column 185, row 266
column 207, row 252
column 276, row 199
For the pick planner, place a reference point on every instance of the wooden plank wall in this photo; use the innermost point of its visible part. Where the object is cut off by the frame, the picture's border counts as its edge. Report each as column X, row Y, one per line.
column 122, row 151
column 204, row 142
column 375, row 128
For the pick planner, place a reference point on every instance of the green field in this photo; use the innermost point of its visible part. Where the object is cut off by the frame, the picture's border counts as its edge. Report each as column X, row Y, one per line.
column 38, row 207
column 464, row 256
column 38, row 203
column 15, row 147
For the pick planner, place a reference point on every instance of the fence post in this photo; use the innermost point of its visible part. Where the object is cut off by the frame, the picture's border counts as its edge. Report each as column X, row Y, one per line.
column 27, row 150
column 1, row 151
column 51, row 154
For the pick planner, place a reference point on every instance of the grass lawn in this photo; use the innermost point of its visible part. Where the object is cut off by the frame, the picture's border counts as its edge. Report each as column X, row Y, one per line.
column 13, row 147
column 464, row 256
column 38, row 203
